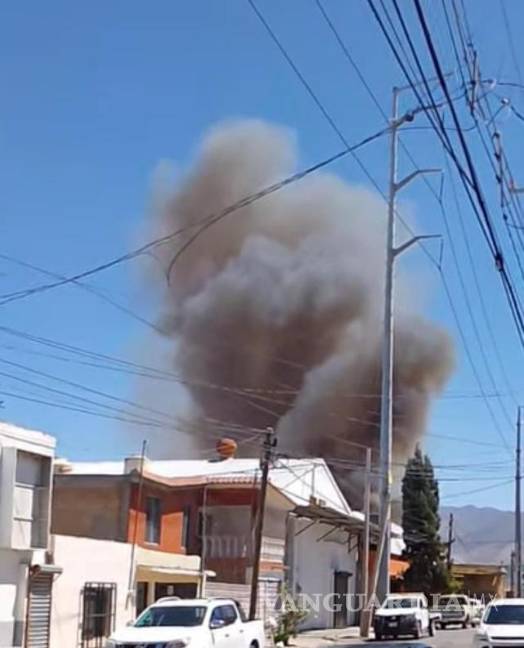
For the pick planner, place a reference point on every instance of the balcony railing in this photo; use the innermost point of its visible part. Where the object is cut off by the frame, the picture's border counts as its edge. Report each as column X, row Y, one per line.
column 241, row 546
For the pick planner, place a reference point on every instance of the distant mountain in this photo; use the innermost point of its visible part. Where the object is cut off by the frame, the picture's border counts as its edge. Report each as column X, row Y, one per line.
column 482, row 535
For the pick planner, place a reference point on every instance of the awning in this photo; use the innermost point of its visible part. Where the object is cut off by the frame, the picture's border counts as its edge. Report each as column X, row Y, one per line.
column 397, row 568
column 170, row 574
column 46, row 569
column 165, row 566
column 353, row 521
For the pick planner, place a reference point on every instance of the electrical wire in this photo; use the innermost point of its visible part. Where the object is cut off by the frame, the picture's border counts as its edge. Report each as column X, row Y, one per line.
column 488, row 228
column 200, row 226
column 373, row 97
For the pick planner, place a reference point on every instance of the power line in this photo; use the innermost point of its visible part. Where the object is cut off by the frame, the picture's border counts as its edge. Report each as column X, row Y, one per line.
column 511, row 41
column 437, row 197
column 489, row 231
column 200, row 225
column 328, row 117
column 478, row 490
column 84, row 286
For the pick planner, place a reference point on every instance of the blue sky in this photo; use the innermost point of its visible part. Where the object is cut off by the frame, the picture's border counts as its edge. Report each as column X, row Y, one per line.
column 97, row 94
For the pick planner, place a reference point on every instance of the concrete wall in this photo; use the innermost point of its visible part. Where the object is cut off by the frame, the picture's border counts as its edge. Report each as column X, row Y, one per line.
column 9, row 574
column 90, row 507
column 24, row 498
column 86, row 560
column 24, row 504
column 314, row 563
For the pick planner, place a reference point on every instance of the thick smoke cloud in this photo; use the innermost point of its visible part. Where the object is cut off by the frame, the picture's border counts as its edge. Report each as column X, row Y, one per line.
column 276, row 310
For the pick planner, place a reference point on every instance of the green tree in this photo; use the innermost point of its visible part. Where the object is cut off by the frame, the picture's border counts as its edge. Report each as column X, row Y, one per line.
column 428, row 571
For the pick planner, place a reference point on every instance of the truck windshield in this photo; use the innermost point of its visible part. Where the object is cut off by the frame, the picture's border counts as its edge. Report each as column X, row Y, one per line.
column 453, row 600
column 179, row 615
column 393, row 603
column 505, row 615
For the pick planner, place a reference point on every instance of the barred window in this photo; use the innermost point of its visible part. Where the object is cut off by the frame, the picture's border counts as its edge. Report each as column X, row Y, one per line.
column 98, row 616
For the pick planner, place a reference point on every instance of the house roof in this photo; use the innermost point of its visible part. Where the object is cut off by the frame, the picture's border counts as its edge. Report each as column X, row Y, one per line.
column 21, row 436
column 306, row 483
column 298, row 479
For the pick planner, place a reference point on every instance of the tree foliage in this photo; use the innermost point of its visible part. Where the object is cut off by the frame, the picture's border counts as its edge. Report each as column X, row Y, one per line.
column 428, row 571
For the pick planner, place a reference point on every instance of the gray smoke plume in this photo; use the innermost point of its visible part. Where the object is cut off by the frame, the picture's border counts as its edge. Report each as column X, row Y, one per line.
column 276, row 310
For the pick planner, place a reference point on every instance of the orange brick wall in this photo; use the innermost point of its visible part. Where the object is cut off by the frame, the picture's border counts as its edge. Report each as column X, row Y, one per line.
column 173, row 504
column 172, row 509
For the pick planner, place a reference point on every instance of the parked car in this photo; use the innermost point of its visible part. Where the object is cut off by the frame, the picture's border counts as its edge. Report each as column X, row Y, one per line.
column 477, row 609
column 403, row 614
column 501, row 625
column 203, row 623
column 456, row 609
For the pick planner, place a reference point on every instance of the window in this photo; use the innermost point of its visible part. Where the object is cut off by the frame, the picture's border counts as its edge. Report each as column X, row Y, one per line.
column 31, row 469
column 393, row 603
column 225, row 613
column 505, row 614
column 185, row 527
column 184, row 616
column 98, row 616
column 31, row 500
column 153, row 520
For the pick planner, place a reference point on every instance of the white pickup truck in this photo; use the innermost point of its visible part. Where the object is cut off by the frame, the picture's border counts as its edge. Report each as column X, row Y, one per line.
column 403, row 614
column 458, row 609
column 203, row 623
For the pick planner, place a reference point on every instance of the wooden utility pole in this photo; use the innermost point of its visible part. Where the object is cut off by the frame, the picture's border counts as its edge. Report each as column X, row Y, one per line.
column 131, row 589
column 267, row 454
column 451, row 539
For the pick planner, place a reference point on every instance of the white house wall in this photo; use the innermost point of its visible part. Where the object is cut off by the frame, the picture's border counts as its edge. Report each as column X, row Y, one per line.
column 314, row 565
column 9, row 576
column 85, row 560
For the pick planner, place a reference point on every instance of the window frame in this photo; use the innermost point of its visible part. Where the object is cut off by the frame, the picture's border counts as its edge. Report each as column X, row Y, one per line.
column 218, row 611
column 153, row 520
column 97, row 626
column 186, row 527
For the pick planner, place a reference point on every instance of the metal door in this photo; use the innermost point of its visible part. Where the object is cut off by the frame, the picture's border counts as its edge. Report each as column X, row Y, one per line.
column 340, row 619
column 40, row 587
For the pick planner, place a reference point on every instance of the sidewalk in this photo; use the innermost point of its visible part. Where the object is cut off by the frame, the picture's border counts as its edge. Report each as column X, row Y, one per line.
column 317, row 638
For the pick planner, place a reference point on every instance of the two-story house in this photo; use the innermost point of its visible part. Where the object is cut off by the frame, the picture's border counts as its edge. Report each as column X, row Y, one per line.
column 178, row 509
column 121, row 536
column 26, row 578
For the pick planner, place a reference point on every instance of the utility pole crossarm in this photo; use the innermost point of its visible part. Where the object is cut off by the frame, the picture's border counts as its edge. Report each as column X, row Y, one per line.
column 405, row 181
column 516, row 190
column 421, row 237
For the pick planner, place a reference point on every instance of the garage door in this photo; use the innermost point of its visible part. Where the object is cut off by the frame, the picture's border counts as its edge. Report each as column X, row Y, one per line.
column 39, row 611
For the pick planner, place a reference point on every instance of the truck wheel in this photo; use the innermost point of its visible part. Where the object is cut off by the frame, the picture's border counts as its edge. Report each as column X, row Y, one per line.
column 442, row 626
column 466, row 624
column 431, row 629
column 378, row 636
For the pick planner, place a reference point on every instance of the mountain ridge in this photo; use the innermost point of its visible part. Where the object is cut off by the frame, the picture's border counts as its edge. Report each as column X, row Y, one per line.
column 483, row 534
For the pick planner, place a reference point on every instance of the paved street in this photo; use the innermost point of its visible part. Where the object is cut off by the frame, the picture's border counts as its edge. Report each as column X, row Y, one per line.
column 442, row 639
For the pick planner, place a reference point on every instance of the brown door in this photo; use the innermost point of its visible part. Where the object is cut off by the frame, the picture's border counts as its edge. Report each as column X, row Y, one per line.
column 340, row 619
